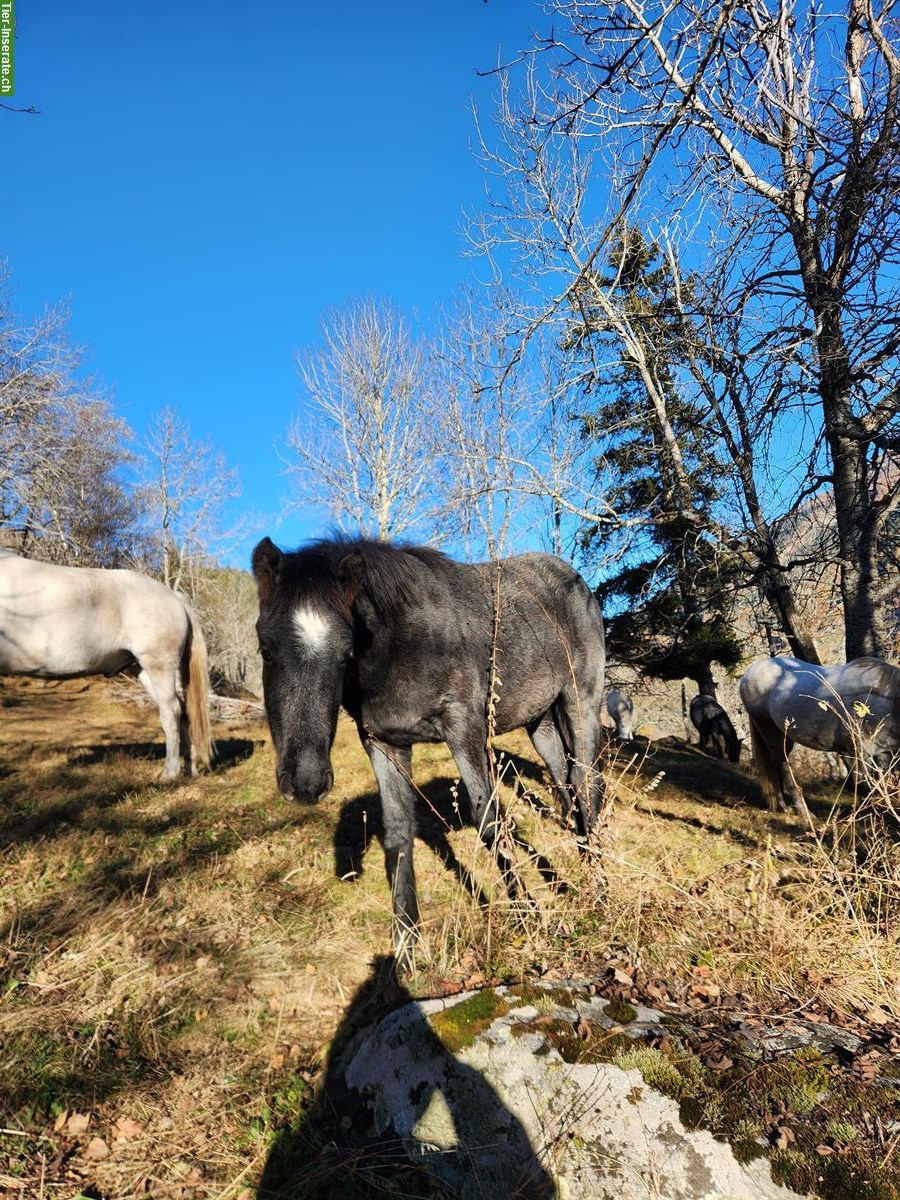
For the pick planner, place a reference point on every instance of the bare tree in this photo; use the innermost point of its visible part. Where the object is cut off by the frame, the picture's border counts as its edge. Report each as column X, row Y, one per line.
column 188, row 484
column 227, row 598
column 791, row 113
column 514, row 465
column 63, row 451
column 365, row 438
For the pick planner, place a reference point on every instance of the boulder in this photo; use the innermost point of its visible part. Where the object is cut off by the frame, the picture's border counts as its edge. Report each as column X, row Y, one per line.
column 537, row 1092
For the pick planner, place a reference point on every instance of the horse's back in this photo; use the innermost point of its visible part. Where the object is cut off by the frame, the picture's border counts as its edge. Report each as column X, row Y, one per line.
column 549, row 634
column 527, row 626
column 816, row 705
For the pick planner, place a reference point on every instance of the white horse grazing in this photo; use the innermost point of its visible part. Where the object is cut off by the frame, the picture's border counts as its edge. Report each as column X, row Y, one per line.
column 59, row 622
column 852, row 709
column 620, row 707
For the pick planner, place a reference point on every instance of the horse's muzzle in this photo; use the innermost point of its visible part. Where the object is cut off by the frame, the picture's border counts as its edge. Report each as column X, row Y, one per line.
column 305, row 789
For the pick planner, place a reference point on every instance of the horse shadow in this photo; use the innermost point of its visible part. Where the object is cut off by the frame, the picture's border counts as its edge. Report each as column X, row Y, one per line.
column 229, row 752
column 443, row 807
column 713, row 780
column 337, row 1149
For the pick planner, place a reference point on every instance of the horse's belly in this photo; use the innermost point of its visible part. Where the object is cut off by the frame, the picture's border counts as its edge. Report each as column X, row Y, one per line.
column 61, row 663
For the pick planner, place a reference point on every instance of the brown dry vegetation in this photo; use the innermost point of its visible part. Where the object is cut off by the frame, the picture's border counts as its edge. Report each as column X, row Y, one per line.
column 174, row 959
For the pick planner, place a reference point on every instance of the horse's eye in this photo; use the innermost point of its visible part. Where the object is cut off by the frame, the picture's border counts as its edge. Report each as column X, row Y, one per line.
column 267, row 655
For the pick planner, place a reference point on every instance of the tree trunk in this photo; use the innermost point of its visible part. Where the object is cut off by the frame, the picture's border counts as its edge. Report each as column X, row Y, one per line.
column 780, row 596
column 856, row 515
column 706, row 685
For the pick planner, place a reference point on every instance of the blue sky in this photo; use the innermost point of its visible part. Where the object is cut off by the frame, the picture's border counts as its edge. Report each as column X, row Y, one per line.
column 205, row 179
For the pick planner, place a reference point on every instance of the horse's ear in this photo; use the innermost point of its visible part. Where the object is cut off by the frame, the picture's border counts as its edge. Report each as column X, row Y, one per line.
column 350, row 572
column 267, row 562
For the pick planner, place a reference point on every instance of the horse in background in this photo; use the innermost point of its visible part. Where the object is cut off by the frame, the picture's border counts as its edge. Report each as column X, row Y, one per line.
column 419, row 648
column 60, row 622
column 718, row 736
column 850, row 709
column 620, row 707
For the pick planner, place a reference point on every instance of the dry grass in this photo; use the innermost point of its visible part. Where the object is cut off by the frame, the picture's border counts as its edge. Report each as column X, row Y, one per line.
column 174, row 960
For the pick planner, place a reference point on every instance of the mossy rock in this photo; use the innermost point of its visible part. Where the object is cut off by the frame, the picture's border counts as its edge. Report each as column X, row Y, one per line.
column 459, row 1025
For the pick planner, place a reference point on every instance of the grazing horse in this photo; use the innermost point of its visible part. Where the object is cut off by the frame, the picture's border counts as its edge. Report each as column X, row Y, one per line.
column 419, row 648
column 851, row 709
column 717, row 734
column 58, row 622
column 620, row 707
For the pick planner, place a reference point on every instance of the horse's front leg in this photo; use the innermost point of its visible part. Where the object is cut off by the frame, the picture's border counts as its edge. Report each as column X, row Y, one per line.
column 585, row 777
column 393, row 771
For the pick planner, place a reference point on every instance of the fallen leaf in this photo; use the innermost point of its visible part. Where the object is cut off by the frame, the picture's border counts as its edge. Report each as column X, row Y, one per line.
column 77, row 1124
column 60, row 1121
column 876, row 1015
column 583, row 1029
column 781, row 1137
column 709, row 991
column 126, row 1128
column 97, row 1149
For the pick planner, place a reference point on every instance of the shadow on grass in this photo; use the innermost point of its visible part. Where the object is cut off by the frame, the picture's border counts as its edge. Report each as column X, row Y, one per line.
column 21, row 823
column 348, row 1148
column 438, row 811
column 442, row 806
column 81, row 1066
column 229, row 752
column 711, row 780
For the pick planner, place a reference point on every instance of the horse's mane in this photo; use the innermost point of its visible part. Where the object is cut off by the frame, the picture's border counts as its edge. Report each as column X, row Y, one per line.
column 393, row 577
column 880, row 676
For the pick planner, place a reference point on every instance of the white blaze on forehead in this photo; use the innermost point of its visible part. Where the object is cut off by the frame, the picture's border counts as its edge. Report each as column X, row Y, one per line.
column 311, row 627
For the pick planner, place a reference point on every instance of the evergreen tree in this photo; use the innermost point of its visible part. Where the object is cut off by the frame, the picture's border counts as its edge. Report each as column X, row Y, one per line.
column 672, row 598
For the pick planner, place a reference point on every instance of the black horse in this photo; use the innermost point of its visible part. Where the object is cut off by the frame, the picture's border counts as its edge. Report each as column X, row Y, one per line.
column 718, row 737
column 419, row 648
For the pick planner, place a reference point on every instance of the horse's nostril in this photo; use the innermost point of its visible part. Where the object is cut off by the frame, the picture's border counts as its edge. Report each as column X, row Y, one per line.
column 326, row 786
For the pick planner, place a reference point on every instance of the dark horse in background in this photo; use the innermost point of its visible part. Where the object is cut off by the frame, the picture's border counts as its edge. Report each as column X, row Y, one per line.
column 419, row 648
column 718, row 736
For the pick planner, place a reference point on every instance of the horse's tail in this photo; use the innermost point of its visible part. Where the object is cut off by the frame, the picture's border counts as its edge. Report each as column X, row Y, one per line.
column 195, row 683
column 767, row 768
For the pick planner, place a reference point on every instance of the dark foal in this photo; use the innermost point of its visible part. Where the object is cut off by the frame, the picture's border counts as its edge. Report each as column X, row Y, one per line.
column 419, row 648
